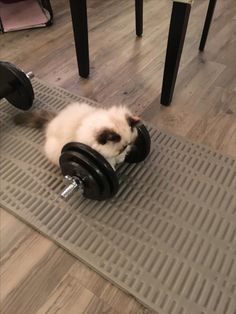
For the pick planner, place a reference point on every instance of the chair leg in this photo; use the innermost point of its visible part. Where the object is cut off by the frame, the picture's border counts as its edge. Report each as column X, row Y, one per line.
column 139, row 17
column 177, row 31
column 207, row 24
column 80, row 28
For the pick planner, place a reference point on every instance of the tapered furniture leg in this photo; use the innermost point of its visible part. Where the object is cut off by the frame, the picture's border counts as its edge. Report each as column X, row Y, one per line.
column 139, row 17
column 207, row 24
column 80, row 27
column 177, row 31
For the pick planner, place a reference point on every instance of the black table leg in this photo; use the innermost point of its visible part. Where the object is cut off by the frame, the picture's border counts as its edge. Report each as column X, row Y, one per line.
column 207, row 24
column 80, row 27
column 139, row 17
column 177, row 31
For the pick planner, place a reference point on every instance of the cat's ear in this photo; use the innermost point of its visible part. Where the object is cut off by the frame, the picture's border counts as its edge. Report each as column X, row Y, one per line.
column 132, row 121
column 108, row 135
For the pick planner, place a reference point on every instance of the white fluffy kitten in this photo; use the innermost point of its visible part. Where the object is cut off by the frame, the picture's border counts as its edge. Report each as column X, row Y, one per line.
column 109, row 131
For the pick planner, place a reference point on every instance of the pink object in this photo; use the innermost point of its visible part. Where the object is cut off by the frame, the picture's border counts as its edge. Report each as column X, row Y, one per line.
column 22, row 15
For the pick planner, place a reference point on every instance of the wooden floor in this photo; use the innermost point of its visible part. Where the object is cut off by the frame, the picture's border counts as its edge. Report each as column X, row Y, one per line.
column 36, row 275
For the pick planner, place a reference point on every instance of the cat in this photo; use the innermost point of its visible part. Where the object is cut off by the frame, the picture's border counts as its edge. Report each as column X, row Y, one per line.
column 110, row 132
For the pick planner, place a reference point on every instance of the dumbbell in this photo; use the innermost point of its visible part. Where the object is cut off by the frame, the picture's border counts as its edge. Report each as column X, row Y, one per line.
column 15, row 86
column 85, row 169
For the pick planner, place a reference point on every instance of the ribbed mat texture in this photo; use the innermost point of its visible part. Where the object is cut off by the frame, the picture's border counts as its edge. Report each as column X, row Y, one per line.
column 168, row 237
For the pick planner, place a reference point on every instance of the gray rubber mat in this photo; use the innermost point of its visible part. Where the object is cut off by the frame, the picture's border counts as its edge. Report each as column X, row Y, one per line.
column 168, row 237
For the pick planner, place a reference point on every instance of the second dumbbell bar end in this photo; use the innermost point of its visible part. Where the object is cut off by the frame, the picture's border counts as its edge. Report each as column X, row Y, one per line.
column 30, row 75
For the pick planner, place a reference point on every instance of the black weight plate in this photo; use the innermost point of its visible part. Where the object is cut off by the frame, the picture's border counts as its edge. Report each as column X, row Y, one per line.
column 92, row 189
column 96, row 185
column 99, row 161
column 141, row 147
column 22, row 94
column 26, row 89
column 104, row 166
column 98, row 175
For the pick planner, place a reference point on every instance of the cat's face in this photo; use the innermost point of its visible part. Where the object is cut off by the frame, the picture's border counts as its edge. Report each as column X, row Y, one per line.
column 112, row 142
column 111, row 132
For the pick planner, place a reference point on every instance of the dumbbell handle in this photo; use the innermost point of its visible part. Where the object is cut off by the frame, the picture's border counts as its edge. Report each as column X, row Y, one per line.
column 6, row 89
column 71, row 188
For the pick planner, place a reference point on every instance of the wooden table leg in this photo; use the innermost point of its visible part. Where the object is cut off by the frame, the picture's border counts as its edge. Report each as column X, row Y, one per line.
column 207, row 24
column 177, row 31
column 139, row 17
column 80, row 27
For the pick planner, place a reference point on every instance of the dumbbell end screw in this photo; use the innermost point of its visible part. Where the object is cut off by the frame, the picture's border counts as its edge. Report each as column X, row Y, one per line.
column 30, row 75
column 71, row 188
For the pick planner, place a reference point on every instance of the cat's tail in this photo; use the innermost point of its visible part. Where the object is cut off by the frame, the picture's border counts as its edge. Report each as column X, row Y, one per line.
column 35, row 119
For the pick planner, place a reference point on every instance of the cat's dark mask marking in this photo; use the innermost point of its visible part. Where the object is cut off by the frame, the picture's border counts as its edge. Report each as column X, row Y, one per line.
column 108, row 135
column 132, row 121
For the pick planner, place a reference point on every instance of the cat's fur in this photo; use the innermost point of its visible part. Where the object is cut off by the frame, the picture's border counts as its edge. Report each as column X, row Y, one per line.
column 108, row 131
